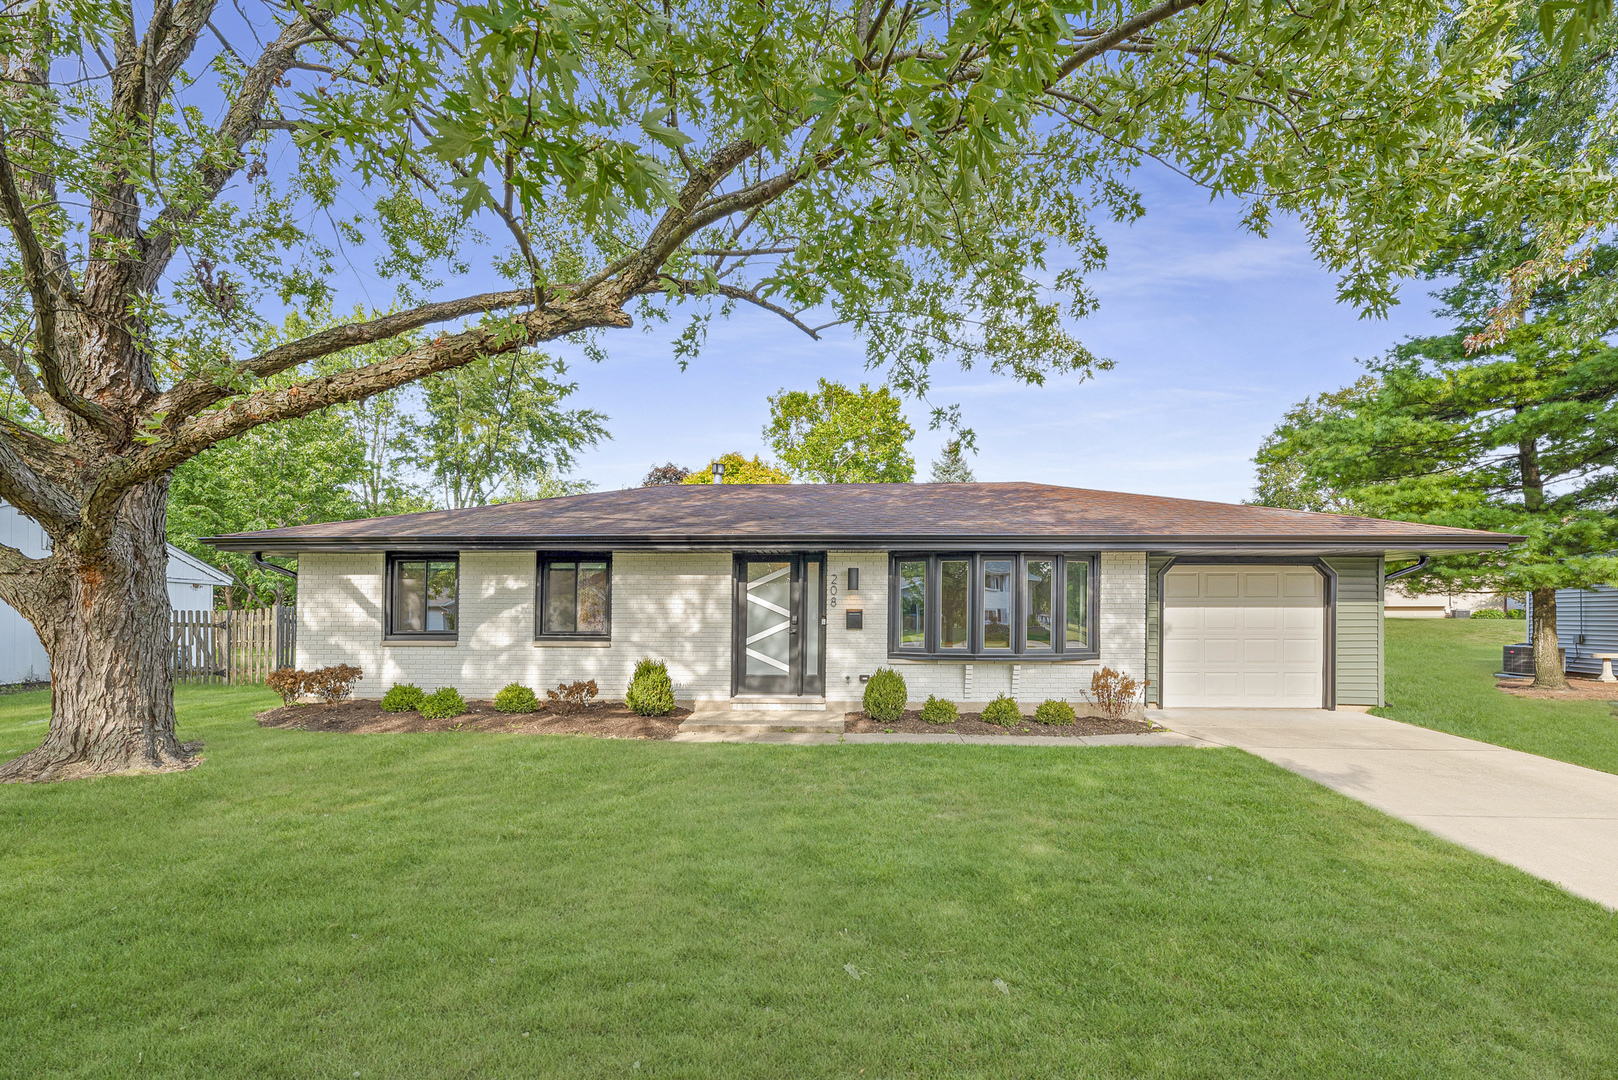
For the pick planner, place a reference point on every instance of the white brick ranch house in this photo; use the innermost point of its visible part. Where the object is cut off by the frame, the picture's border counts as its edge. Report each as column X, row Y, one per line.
column 802, row 591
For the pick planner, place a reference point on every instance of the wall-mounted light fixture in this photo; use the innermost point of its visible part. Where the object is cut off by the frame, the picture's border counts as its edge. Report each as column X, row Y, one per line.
column 853, row 578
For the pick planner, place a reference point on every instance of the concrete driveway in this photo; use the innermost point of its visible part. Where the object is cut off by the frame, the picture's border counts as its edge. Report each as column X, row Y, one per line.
column 1554, row 820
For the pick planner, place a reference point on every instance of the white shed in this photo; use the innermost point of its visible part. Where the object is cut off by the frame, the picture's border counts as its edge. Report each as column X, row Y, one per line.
column 22, row 657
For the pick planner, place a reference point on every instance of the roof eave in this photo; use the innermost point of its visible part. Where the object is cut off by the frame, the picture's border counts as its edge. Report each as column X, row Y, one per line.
column 1168, row 545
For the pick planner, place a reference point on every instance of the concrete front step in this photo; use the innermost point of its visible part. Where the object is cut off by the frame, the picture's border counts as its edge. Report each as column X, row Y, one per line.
column 760, row 723
column 751, row 703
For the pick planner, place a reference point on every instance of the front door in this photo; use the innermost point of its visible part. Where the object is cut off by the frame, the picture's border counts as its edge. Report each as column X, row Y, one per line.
column 780, row 624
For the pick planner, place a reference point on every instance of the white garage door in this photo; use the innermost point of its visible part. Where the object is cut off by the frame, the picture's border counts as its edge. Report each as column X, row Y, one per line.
column 1243, row 636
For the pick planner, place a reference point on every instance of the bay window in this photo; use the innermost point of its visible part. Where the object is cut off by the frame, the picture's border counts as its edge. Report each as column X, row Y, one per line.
column 993, row 604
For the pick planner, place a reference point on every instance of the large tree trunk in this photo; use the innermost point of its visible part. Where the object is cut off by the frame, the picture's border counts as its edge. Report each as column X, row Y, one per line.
column 104, row 621
column 1547, row 649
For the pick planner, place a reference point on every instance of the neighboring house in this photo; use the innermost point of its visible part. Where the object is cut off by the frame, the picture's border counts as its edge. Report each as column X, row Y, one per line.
column 802, row 591
column 1586, row 623
column 22, row 657
column 1400, row 604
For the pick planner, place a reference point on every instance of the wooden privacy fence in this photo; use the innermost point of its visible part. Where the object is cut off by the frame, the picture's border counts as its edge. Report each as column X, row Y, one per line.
column 230, row 646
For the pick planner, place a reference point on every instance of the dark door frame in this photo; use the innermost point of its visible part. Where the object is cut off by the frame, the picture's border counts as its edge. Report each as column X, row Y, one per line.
column 808, row 612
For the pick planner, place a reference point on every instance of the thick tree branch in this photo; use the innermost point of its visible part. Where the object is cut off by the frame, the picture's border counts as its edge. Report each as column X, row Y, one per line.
column 48, row 297
column 22, row 486
column 193, row 395
column 355, row 384
column 1126, row 29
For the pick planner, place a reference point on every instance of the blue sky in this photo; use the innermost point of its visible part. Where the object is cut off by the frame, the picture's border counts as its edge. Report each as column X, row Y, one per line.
column 1214, row 332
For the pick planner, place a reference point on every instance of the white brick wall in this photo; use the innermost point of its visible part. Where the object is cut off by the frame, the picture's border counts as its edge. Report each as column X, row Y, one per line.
column 676, row 607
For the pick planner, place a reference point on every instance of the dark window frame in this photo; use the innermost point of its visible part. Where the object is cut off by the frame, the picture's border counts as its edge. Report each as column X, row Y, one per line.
column 1060, row 649
column 542, row 587
column 394, row 559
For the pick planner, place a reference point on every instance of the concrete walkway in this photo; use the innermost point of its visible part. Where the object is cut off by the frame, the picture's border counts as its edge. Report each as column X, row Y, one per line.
column 1556, row 821
column 805, row 738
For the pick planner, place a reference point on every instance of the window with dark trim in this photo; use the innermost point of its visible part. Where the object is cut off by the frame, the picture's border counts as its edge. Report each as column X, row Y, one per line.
column 574, row 596
column 1029, row 605
column 423, row 596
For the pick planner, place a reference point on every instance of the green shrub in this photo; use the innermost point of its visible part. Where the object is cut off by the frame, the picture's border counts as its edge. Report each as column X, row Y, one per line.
column 1051, row 711
column 651, row 692
column 442, row 704
column 516, row 698
column 885, row 696
column 402, row 698
column 1517, row 613
column 1489, row 613
column 1002, row 711
column 939, row 711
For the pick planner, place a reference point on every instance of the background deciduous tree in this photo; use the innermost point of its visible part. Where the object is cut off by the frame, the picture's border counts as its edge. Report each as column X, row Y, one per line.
column 740, row 470
column 667, row 473
column 841, row 436
column 170, row 182
column 494, row 423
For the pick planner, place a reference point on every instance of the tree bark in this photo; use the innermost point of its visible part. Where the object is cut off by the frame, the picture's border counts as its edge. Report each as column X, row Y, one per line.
column 1547, row 649
column 104, row 621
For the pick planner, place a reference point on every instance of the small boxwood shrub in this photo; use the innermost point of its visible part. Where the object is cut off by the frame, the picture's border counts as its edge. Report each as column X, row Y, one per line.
column 516, row 698
column 1002, row 711
column 402, row 698
column 885, row 696
column 1051, row 711
column 651, row 692
column 939, row 711
column 445, row 703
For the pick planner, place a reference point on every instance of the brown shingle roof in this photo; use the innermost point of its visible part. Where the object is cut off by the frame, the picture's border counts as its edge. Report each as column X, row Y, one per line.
column 870, row 515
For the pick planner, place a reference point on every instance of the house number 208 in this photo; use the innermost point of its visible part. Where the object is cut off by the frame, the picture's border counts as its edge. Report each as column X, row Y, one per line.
column 831, row 591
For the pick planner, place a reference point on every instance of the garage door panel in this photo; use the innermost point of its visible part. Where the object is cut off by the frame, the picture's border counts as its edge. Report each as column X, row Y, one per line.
column 1260, row 618
column 1243, row 636
column 1303, row 585
column 1301, row 652
column 1261, row 585
column 1186, row 652
column 1264, row 650
column 1181, row 586
column 1301, row 684
column 1301, row 619
column 1261, row 685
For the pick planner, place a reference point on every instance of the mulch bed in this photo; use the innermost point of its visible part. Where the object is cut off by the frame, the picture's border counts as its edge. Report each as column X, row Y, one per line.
column 1578, row 689
column 364, row 716
column 857, row 723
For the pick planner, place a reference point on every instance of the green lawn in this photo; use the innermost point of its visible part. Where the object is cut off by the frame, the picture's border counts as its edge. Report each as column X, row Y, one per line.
column 1441, row 675
column 459, row 905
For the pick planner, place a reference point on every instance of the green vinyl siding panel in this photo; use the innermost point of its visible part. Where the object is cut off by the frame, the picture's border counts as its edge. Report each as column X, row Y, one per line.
column 1154, row 628
column 1359, row 630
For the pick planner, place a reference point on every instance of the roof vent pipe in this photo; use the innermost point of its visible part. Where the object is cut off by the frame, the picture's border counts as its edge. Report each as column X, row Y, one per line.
column 1411, row 569
column 719, row 472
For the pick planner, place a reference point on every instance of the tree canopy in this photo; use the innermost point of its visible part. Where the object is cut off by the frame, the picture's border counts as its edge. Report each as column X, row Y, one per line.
column 841, row 436
column 740, row 470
